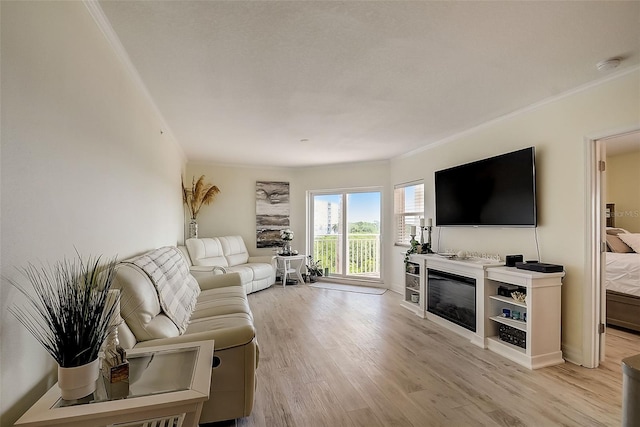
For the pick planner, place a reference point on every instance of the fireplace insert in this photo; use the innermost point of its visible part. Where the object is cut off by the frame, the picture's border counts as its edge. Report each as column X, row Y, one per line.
column 452, row 297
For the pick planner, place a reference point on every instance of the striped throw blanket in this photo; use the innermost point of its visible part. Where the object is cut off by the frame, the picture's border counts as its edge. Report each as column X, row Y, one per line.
column 177, row 288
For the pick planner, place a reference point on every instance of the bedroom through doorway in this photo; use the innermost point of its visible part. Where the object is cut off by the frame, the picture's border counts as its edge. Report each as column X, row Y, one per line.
column 620, row 265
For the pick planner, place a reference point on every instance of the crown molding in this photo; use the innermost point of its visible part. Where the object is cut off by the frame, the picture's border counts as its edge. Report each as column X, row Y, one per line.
column 528, row 108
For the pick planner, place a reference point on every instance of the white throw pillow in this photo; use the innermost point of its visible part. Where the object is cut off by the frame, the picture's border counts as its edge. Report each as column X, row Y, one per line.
column 631, row 239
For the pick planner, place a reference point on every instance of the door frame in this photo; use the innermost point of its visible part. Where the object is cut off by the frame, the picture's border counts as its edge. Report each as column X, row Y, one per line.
column 594, row 312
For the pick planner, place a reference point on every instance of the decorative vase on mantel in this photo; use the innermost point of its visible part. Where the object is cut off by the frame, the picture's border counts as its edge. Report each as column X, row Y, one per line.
column 193, row 229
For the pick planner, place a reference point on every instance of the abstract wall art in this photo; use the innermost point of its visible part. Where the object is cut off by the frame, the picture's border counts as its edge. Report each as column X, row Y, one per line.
column 272, row 212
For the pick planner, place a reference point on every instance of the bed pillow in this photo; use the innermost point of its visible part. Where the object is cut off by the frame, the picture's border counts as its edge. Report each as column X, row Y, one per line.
column 615, row 244
column 615, row 231
column 631, row 239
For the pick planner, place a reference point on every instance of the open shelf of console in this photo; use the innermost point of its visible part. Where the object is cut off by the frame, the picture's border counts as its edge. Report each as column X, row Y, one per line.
column 539, row 336
column 516, row 324
column 414, row 286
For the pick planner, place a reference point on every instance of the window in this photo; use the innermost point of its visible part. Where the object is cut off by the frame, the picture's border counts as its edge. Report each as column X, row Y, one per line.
column 408, row 201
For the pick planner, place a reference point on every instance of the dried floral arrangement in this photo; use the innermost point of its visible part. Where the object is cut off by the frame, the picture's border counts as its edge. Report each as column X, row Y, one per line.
column 199, row 194
column 68, row 310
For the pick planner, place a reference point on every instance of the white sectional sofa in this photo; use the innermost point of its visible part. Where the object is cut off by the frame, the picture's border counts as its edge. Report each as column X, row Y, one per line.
column 230, row 255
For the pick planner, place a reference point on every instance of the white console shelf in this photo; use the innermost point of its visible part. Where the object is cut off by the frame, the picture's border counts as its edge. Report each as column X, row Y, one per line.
column 414, row 295
column 540, row 331
column 542, row 308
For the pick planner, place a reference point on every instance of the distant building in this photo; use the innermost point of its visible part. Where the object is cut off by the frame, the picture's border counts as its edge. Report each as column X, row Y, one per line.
column 326, row 217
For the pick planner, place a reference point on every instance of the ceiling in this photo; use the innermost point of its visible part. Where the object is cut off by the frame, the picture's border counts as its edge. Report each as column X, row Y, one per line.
column 303, row 83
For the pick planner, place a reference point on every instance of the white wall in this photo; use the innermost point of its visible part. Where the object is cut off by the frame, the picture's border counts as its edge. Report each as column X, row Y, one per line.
column 83, row 165
column 557, row 130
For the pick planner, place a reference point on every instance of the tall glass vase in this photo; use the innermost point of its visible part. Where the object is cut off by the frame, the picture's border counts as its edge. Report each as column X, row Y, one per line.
column 193, row 229
column 286, row 248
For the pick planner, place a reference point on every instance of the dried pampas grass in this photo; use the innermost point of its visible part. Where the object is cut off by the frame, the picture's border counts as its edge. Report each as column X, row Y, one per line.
column 200, row 194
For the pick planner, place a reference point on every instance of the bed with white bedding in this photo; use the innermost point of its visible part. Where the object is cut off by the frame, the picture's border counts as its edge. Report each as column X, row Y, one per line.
column 622, row 282
column 623, row 273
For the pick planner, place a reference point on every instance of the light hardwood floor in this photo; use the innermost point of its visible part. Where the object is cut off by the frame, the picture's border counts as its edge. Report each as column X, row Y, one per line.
column 332, row 358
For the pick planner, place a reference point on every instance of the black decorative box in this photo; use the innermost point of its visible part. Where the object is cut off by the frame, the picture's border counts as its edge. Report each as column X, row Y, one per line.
column 505, row 290
column 512, row 336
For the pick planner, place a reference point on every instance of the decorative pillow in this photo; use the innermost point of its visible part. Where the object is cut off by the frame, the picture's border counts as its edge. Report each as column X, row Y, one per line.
column 616, row 245
column 631, row 239
column 615, row 231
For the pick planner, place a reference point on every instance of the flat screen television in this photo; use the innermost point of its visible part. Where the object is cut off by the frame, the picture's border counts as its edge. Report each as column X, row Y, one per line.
column 496, row 192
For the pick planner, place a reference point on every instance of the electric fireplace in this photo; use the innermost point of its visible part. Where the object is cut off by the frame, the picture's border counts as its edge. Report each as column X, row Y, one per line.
column 452, row 297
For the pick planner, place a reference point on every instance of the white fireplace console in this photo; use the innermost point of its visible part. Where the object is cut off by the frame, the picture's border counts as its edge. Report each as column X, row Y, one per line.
column 539, row 335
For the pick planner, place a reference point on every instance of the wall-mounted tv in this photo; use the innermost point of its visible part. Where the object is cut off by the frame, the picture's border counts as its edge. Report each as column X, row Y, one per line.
column 496, row 192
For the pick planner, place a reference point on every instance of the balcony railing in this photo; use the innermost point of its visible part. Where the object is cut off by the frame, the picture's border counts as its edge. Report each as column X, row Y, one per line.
column 363, row 253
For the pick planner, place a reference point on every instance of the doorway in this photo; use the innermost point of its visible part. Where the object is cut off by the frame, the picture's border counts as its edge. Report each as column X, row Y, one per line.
column 345, row 233
column 602, row 214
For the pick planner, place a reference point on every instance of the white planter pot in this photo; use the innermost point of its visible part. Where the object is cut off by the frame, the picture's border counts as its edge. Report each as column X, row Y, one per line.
column 76, row 383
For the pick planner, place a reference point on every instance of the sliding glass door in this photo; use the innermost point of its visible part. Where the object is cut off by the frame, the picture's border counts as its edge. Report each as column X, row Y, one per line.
column 345, row 232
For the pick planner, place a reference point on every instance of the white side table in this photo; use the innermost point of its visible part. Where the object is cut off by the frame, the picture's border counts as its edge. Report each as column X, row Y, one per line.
column 167, row 382
column 290, row 264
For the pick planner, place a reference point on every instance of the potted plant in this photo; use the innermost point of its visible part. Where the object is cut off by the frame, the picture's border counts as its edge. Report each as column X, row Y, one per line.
column 412, row 250
column 69, row 312
column 199, row 194
column 314, row 268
